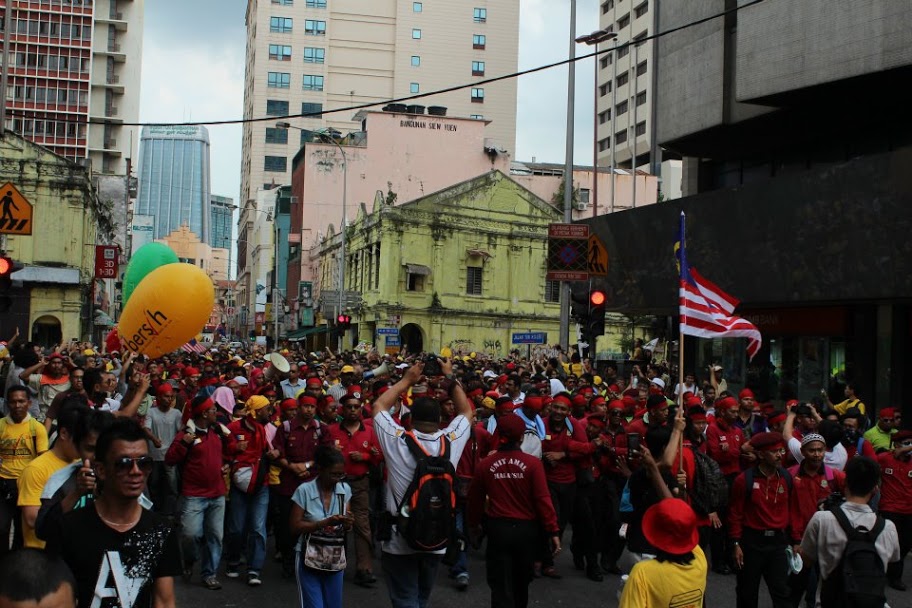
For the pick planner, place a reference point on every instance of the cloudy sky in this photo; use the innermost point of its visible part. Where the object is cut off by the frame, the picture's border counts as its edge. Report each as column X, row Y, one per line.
column 193, row 69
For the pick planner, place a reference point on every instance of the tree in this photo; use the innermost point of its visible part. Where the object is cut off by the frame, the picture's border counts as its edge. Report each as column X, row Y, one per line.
column 558, row 198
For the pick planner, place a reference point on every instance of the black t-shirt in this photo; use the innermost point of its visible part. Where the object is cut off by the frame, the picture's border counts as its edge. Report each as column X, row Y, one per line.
column 642, row 496
column 116, row 569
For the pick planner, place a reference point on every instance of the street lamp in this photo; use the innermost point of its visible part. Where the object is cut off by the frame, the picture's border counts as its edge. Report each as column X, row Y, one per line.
column 325, row 137
column 594, row 39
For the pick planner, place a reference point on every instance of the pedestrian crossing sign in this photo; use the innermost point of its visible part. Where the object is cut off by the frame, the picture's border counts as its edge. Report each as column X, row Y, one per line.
column 15, row 211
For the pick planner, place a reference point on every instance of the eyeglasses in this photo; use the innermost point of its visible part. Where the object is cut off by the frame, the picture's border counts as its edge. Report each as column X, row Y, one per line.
column 125, row 465
column 777, row 451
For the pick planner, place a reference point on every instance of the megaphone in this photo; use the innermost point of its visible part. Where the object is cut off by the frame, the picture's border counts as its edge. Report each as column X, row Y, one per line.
column 279, row 365
column 383, row 370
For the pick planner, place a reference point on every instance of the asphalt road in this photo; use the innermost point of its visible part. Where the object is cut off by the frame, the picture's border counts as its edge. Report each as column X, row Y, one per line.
column 572, row 590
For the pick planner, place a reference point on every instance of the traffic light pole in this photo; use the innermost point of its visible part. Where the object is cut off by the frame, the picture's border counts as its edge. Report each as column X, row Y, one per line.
column 568, row 176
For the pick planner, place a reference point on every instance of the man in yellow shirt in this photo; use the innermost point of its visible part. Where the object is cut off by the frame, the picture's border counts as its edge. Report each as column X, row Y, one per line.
column 677, row 576
column 22, row 439
column 851, row 400
column 73, row 414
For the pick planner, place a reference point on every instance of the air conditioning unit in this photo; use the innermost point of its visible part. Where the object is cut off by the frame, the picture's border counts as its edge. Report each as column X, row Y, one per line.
column 580, row 206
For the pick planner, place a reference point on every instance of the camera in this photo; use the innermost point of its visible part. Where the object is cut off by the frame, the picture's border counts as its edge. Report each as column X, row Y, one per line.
column 432, row 366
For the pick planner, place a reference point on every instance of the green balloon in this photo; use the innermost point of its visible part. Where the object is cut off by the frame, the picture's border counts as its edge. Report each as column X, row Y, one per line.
column 146, row 259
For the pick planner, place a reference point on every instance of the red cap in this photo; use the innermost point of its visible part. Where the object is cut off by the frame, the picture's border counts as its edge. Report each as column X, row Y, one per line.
column 693, row 401
column 767, row 441
column 597, row 400
column 534, row 403
column 701, row 417
column 288, row 404
column 164, row 389
column 725, row 404
column 887, row 412
column 746, row 393
column 561, row 399
column 493, row 395
column 511, row 427
column 203, row 407
column 595, row 420
column 190, row 371
column 475, row 393
column 511, row 366
column 775, row 418
column 307, row 400
column 579, row 401
column 314, row 382
column 354, row 391
column 629, row 401
column 502, row 379
column 613, row 388
column 672, row 525
column 616, row 404
column 585, row 390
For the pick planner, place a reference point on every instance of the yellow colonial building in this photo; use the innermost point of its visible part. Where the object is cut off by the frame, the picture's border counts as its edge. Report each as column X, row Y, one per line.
column 51, row 299
column 462, row 268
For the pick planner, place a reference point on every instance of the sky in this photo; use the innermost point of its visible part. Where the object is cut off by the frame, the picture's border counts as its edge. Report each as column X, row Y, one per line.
column 193, row 69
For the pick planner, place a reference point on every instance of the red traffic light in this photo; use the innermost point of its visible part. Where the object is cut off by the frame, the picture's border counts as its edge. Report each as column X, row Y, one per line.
column 5, row 265
column 597, row 298
column 343, row 319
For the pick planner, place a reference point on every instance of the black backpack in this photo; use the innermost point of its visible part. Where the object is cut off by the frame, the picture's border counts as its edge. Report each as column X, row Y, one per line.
column 860, row 579
column 426, row 515
column 709, row 492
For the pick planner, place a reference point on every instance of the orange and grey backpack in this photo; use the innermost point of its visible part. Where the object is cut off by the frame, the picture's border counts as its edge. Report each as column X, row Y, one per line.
column 426, row 515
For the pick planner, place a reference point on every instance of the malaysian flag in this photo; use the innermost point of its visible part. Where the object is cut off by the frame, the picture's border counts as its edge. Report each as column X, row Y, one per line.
column 706, row 310
column 194, row 347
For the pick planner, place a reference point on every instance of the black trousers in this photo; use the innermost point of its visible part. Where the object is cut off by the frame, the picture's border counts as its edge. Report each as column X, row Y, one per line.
column 509, row 558
column 563, row 497
column 903, row 525
column 764, row 557
column 284, row 542
column 9, row 516
column 612, row 543
column 804, row 585
column 719, row 542
column 590, row 518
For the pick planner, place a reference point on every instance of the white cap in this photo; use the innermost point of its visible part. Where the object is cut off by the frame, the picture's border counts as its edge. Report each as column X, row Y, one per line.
column 240, row 380
column 489, row 374
column 658, row 382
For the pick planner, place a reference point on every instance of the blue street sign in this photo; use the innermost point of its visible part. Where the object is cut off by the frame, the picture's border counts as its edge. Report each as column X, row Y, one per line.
column 393, row 341
column 387, row 331
column 532, row 337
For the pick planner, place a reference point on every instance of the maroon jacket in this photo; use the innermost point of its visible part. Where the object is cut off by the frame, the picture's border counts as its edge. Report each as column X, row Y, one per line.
column 574, row 444
column 298, row 443
column 200, row 464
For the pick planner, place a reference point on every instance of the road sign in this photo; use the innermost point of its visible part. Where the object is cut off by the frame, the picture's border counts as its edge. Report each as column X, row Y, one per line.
column 15, row 211
column 106, row 265
column 568, row 252
column 393, row 341
column 331, row 298
column 598, row 257
column 532, row 337
column 387, row 331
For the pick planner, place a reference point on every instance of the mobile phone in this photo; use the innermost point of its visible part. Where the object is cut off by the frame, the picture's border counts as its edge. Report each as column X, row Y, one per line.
column 633, row 442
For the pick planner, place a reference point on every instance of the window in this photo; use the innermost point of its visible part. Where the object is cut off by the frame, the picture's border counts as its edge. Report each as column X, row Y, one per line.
column 280, row 52
column 417, row 7
column 620, row 137
column 621, row 108
column 276, row 136
column 480, row 15
column 476, row 117
column 478, row 41
column 416, row 61
column 282, row 25
column 640, row 129
column 604, row 116
column 624, row 21
column 416, row 34
column 415, row 282
column 584, row 195
column 640, row 36
column 414, row 88
column 314, row 28
column 641, row 68
column 622, row 52
column 313, row 83
column 641, row 98
column 552, row 291
column 283, row 2
column 477, row 95
column 312, row 110
column 607, row 6
column 275, row 163
column 279, row 80
column 478, row 68
column 641, row 10
column 274, row 107
column 314, row 55
column 473, row 281
column 316, row 4
column 604, row 144
column 604, row 89
column 605, row 61
column 622, row 79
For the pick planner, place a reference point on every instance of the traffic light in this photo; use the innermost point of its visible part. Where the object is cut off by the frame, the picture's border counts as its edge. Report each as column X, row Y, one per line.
column 343, row 322
column 7, row 268
column 595, row 325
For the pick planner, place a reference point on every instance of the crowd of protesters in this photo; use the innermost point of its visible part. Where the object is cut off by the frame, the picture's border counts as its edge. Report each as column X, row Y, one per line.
column 137, row 471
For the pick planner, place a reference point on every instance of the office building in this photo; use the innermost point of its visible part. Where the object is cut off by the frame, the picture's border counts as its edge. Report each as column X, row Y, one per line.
column 174, row 179
column 221, row 223
column 72, row 62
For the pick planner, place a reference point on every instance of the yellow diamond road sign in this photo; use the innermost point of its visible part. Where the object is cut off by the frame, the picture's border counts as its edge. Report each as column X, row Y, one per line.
column 15, row 211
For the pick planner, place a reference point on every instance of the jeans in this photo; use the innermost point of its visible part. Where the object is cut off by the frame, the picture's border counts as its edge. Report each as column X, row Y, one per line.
column 202, row 521
column 247, row 517
column 461, row 565
column 318, row 589
column 410, row 578
column 163, row 487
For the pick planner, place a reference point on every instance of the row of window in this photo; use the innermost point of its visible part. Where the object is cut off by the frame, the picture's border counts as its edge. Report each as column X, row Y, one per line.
column 475, row 284
column 282, row 80
column 480, row 15
column 621, row 136
column 282, row 52
column 284, row 25
column 307, row 3
column 276, row 107
column 479, row 41
column 638, row 11
column 63, row 63
column 62, row 96
column 622, row 79
column 48, row 128
column 53, row 29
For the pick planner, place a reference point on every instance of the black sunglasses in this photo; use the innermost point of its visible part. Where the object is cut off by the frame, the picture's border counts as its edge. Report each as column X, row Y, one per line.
column 125, row 465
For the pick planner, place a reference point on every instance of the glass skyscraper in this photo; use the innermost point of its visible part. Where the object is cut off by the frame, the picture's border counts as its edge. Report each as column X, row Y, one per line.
column 174, row 179
column 220, row 228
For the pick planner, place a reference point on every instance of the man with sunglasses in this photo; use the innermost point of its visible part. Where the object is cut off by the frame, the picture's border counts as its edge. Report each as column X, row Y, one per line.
column 121, row 554
column 880, row 435
column 896, row 499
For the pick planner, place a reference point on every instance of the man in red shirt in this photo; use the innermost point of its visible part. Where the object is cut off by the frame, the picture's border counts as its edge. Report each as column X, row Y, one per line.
column 758, row 519
column 723, row 444
column 199, row 453
column 510, row 495
column 613, row 451
column 853, row 439
column 896, row 499
column 360, row 449
column 656, row 416
column 296, row 442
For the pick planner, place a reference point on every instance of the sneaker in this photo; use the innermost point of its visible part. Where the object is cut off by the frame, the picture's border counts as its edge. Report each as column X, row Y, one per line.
column 253, row 579
column 232, row 571
column 211, row 583
column 462, row 581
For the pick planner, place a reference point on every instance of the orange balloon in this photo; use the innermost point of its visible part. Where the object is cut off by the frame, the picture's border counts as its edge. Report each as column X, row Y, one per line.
column 169, row 307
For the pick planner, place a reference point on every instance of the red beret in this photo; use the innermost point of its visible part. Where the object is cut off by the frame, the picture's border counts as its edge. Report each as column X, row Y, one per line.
column 585, row 390
column 746, row 393
column 790, row 403
column 511, row 366
column 164, row 389
column 887, row 412
column 55, row 356
column 534, row 403
column 190, row 371
column 595, row 420
column 354, row 391
column 613, row 388
column 629, row 401
column 288, row 404
column 597, row 400
column 616, row 404
column 776, row 418
column 693, row 401
column 767, row 441
column 726, row 403
column 307, row 400
column 511, row 427
column 579, row 401
column 502, row 379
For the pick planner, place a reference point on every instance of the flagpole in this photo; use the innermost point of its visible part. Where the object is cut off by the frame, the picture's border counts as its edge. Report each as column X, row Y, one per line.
column 681, row 352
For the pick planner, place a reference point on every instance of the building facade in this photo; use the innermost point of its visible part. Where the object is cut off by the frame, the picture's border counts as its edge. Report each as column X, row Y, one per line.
column 174, row 180
column 191, row 250
column 58, row 293
column 221, row 224
column 316, row 56
column 72, row 62
column 462, row 268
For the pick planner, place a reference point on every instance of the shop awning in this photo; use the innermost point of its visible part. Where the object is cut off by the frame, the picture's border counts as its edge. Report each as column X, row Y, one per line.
column 300, row 334
column 418, row 269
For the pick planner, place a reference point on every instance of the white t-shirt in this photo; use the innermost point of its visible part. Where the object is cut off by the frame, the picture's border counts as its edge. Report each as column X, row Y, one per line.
column 835, row 458
column 400, row 464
